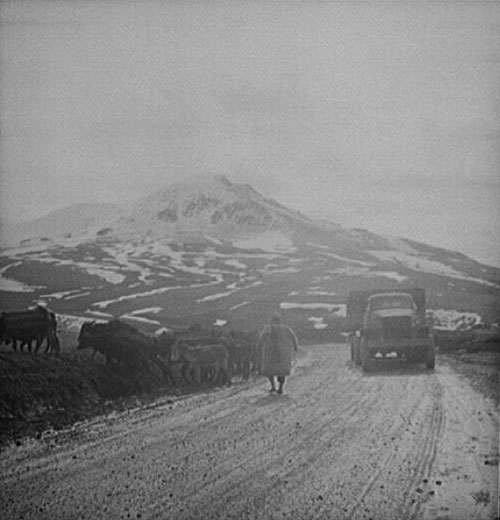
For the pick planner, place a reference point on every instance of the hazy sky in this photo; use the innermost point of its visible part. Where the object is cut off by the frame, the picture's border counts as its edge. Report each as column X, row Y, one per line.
column 378, row 115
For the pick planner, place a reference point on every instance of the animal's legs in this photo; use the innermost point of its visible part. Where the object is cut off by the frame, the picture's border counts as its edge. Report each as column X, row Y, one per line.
column 281, row 381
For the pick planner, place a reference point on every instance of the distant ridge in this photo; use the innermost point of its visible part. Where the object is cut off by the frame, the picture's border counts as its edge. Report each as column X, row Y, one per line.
column 74, row 219
column 192, row 208
column 211, row 207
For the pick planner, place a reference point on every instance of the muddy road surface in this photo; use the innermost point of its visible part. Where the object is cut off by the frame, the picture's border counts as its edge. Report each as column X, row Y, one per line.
column 399, row 443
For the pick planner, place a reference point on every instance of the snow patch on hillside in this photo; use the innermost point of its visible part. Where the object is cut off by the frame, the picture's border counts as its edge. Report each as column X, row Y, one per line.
column 242, row 304
column 446, row 319
column 140, row 319
column 366, row 273
column 212, row 297
column 79, row 295
column 148, row 310
column 337, row 309
column 233, row 262
column 277, row 269
column 348, row 260
column 60, row 295
column 422, row 264
column 105, row 315
column 399, row 244
column 11, row 285
column 147, row 294
column 109, row 275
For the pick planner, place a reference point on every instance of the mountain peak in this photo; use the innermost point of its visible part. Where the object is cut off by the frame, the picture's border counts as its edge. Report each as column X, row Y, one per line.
column 197, row 206
column 210, row 185
column 209, row 203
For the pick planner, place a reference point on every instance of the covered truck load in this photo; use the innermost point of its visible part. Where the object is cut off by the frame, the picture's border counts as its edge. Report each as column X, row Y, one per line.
column 356, row 305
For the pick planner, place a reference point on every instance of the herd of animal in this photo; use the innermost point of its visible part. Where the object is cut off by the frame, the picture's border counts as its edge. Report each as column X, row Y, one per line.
column 188, row 356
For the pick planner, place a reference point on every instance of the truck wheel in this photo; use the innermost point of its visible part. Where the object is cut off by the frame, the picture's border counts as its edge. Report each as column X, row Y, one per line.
column 364, row 358
column 357, row 357
column 355, row 352
column 430, row 361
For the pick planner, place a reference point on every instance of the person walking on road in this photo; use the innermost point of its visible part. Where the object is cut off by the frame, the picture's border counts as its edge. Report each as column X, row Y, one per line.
column 277, row 343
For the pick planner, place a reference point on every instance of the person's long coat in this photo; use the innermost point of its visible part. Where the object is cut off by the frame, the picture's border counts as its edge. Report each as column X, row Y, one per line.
column 277, row 358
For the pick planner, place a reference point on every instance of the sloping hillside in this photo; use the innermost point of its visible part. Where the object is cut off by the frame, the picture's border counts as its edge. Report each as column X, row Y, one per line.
column 216, row 252
column 43, row 392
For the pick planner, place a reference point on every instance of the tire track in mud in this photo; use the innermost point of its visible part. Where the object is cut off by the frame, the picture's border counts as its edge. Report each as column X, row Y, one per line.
column 246, row 467
column 323, row 508
column 304, row 456
column 426, row 454
column 460, row 470
column 259, row 464
column 386, row 462
column 251, row 456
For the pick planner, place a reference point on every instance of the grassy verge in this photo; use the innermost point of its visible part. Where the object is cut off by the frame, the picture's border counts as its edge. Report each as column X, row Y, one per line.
column 481, row 369
column 42, row 392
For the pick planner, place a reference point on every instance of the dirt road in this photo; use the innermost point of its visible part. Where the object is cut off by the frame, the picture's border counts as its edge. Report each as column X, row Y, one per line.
column 404, row 443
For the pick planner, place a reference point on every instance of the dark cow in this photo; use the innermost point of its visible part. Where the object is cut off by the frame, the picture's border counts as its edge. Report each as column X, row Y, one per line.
column 36, row 324
column 101, row 337
column 123, row 344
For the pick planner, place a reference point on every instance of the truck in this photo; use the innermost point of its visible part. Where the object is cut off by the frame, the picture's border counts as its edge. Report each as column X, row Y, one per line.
column 389, row 325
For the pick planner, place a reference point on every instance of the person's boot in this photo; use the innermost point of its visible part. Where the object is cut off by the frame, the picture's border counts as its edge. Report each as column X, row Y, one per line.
column 273, row 387
column 280, row 388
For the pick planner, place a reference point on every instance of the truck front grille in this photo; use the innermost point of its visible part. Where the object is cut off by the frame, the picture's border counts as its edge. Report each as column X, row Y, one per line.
column 397, row 327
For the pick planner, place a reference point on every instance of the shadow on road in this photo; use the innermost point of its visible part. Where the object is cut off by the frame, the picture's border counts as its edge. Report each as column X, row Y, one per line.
column 396, row 368
column 272, row 398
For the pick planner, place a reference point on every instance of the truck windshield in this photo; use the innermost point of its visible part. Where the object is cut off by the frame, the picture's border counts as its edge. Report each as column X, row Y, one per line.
column 395, row 301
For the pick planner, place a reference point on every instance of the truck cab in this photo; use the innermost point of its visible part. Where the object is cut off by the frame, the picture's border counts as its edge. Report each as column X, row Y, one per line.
column 390, row 310
column 391, row 324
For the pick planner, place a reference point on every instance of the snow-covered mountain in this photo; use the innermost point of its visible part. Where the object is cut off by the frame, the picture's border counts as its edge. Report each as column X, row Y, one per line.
column 213, row 205
column 192, row 209
column 209, row 248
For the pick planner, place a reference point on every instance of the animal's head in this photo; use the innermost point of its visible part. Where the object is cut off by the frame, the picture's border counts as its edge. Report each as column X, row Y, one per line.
column 42, row 311
column 53, row 321
column 2, row 327
column 114, row 326
column 165, row 339
column 177, row 346
column 86, row 335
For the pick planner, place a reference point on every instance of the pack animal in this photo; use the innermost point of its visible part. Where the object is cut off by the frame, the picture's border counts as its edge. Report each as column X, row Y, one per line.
column 243, row 357
column 124, row 345
column 202, row 358
column 36, row 324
